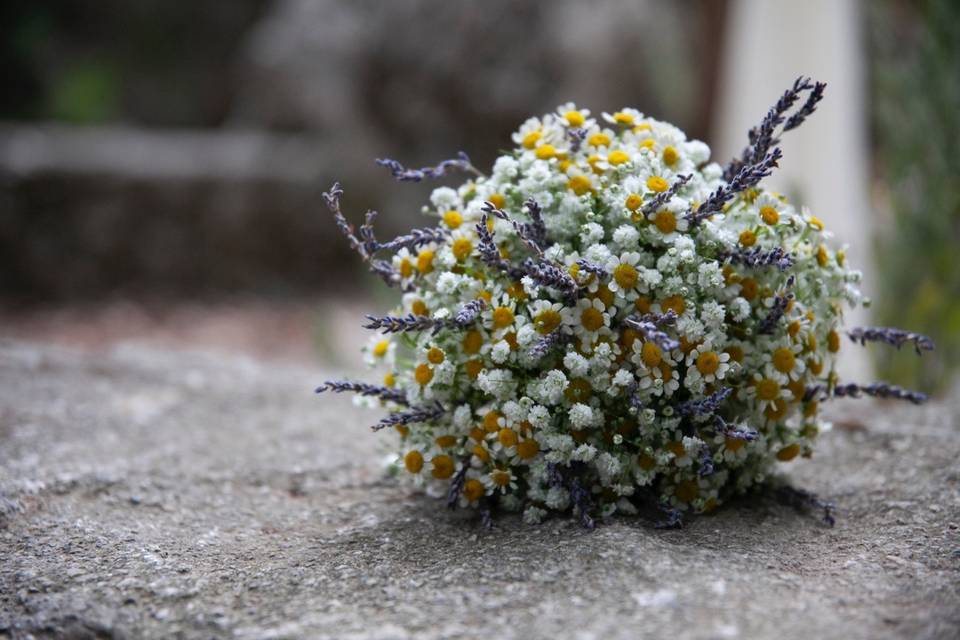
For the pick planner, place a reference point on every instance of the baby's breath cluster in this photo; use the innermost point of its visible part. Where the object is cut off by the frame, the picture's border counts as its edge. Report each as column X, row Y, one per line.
column 609, row 318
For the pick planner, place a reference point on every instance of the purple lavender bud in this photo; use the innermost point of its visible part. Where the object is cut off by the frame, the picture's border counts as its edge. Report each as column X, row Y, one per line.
column 731, row 431
column 402, row 174
column 706, row 462
column 705, row 406
column 756, row 257
column 395, row 324
column 538, row 228
column 673, row 519
column 582, row 503
column 384, row 393
column 576, row 136
column 543, row 346
column 524, row 231
column 892, row 336
column 879, row 390
column 456, row 484
column 780, row 303
column 416, row 414
column 469, row 312
column 366, row 244
column 414, row 239
column 595, row 269
column 647, row 325
column 663, row 198
column 747, row 177
column 550, row 275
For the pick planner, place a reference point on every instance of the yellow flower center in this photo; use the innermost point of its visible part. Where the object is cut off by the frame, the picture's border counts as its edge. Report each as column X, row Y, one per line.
column 473, row 490
column 528, row 448
column 815, row 223
column 633, row 202
column 547, row 321
column 658, row 184
column 435, row 355
column 768, row 389
column 491, row 421
column 579, row 185
column 389, row 379
column 507, row 437
column 670, row 156
column 425, row 261
column 530, row 140
column 442, row 466
column 789, row 452
column 784, row 360
column 748, row 238
column 452, row 219
column 626, row 276
column 708, row 362
column 748, row 288
column 666, row 221
column 646, row 462
column 500, row 478
column 604, row 295
column 481, row 452
column 578, row 390
column 623, row 119
column 473, row 368
column 591, row 319
column 599, row 140
column 617, row 157
column 497, row 200
column 419, row 308
column 472, row 342
column 833, row 341
column 642, row 304
column 676, row 303
column 406, row 268
column 461, row 248
column 502, row 317
column 769, row 215
column 734, row 444
column 445, row 441
column 380, row 349
column 651, row 354
column 648, row 144
column 546, row 151
column 574, row 118
column 423, row 374
column 822, row 256
column 413, row 461
column 736, row 353
column 687, row 491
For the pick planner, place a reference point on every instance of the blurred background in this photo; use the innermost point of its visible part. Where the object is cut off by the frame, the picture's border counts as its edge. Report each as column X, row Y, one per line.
column 161, row 163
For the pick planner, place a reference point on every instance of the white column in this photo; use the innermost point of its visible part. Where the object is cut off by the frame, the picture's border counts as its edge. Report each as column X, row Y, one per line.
column 825, row 166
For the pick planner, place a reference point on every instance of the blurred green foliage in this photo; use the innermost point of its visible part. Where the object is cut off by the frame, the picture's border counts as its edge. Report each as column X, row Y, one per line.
column 916, row 118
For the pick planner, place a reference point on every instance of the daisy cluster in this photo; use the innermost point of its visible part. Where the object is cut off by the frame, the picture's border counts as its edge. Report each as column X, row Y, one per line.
column 609, row 319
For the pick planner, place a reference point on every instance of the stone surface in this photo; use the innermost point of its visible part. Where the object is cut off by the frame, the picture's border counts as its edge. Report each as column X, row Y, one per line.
column 163, row 494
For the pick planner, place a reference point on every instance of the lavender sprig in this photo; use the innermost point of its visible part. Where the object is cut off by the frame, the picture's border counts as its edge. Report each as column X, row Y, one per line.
column 384, row 393
column 402, row 174
column 414, row 239
column 808, row 107
column 780, row 303
column 456, row 484
column 663, row 198
column 706, row 462
column 595, row 269
column 648, row 326
column 409, row 322
column 747, row 177
column 543, row 346
column 524, row 231
column 469, row 312
column 879, row 390
column 538, row 228
column 756, row 257
column 366, row 244
column 892, row 336
column 800, row 499
column 581, row 502
column 490, row 254
column 576, row 136
column 731, row 431
column 673, row 518
column 705, row 406
column 416, row 414
column 761, row 137
column 550, row 275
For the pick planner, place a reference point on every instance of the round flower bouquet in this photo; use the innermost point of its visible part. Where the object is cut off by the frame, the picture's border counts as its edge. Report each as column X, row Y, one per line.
column 609, row 320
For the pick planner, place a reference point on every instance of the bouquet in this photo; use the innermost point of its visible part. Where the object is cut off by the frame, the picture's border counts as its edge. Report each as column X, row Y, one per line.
column 609, row 319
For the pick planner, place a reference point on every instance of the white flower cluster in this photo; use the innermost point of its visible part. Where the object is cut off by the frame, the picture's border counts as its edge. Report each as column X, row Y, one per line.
column 626, row 349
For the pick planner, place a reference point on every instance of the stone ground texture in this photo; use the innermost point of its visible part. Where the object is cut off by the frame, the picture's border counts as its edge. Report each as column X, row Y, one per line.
column 148, row 493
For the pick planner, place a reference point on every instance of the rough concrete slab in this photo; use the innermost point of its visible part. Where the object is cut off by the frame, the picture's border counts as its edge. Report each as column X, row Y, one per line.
column 157, row 494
